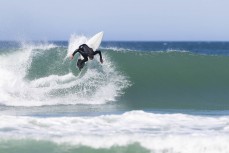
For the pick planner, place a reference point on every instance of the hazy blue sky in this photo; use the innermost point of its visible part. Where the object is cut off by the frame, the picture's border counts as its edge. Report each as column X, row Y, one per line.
column 119, row 19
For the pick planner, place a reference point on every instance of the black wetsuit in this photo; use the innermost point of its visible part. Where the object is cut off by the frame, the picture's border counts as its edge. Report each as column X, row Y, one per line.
column 86, row 52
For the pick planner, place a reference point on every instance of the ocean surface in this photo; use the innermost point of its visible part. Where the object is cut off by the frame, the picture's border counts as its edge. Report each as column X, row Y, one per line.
column 147, row 97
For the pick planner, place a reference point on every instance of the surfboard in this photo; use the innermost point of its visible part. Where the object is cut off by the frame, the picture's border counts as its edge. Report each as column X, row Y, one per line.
column 94, row 43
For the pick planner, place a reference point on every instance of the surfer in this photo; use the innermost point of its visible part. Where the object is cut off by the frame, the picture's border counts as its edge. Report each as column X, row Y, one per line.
column 86, row 52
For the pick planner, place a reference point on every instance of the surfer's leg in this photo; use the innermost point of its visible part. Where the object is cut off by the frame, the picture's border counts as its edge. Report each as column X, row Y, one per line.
column 99, row 52
column 96, row 52
column 84, row 56
column 84, row 60
column 81, row 62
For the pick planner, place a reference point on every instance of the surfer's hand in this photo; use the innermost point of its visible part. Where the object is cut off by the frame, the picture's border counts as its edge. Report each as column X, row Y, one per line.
column 71, row 57
column 101, row 60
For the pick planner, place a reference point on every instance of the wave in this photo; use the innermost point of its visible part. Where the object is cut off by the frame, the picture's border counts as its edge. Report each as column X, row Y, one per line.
column 135, row 129
column 170, row 79
column 174, row 79
column 39, row 74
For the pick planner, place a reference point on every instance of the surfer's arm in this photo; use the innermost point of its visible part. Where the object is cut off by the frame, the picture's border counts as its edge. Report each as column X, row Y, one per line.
column 73, row 54
column 77, row 50
column 99, row 52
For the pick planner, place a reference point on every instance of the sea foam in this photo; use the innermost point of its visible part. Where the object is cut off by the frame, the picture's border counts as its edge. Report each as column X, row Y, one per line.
column 156, row 132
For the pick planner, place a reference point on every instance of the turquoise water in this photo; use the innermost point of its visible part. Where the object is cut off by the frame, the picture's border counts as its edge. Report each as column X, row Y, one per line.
column 146, row 97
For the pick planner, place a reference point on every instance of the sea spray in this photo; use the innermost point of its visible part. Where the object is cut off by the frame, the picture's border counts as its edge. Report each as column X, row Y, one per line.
column 40, row 77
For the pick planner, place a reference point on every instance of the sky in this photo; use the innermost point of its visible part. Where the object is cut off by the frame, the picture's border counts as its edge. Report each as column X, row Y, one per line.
column 128, row 20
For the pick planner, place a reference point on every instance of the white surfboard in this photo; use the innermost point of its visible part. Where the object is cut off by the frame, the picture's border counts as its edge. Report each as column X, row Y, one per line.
column 95, row 41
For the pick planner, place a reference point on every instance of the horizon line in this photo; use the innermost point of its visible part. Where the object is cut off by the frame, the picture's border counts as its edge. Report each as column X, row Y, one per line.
column 120, row 40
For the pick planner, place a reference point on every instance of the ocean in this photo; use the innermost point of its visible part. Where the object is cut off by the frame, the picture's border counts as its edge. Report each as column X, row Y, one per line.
column 147, row 97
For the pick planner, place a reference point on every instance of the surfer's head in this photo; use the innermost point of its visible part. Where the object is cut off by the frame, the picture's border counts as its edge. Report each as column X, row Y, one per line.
column 91, row 57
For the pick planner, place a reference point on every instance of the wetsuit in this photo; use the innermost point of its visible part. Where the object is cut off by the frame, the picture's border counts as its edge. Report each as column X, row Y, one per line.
column 86, row 52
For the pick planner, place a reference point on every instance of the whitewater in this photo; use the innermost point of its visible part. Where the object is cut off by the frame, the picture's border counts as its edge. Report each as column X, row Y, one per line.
column 153, row 132
column 29, row 78
column 153, row 97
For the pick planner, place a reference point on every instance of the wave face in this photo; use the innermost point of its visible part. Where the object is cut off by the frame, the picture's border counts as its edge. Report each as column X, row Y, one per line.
column 175, row 79
column 40, row 74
